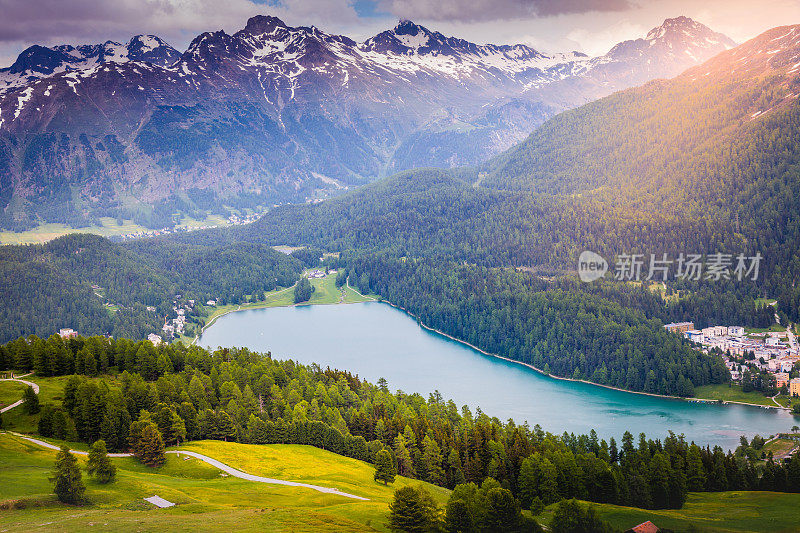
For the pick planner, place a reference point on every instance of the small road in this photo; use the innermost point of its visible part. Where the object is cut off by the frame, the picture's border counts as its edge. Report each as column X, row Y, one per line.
column 19, row 402
column 244, row 475
column 213, row 462
column 792, row 339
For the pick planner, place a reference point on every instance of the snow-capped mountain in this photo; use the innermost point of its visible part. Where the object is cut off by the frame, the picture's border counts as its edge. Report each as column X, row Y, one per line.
column 275, row 112
column 666, row 51
column 38, row 62
column 411, row 47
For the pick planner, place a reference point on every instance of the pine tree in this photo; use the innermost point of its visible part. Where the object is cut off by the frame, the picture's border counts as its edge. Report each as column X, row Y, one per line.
column 457, row 516
column 793, row 474
column 30, row 403
column 432, row 459
column 404, row 463
column 412, row 510
column 571, row 517
column 695, row 472
column 503, row 512
column 384, row 467
column 146, row 442
column 303, row 290
column 100, row 466
column 67, row 482
column 225, row 429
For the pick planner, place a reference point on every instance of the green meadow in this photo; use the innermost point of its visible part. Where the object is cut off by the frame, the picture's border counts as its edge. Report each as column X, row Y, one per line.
column 722, row 512
column 205, row 498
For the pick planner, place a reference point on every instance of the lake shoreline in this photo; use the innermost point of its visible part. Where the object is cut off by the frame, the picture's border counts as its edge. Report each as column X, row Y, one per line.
column 498, row 356
column 264, row 305
column 561, row 378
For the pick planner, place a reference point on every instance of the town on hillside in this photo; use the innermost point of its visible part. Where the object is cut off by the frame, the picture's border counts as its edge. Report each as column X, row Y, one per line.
column 772, row 354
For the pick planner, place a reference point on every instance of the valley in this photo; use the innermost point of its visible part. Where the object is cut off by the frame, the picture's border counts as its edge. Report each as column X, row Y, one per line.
column 371, row 276
column 376, row 341
column 273, row 114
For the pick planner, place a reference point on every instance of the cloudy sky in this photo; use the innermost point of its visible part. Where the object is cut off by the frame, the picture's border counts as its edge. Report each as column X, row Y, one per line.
column 591, row 26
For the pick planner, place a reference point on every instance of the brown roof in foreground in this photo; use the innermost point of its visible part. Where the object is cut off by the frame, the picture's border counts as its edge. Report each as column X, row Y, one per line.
column 645, row 527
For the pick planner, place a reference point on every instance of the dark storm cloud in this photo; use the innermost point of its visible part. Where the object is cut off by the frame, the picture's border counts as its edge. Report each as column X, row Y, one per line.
column 486, row 10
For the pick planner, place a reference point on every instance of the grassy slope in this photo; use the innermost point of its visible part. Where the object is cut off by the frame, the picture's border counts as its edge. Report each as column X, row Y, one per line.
column 734, row 393
column 50, row 391
column 779, row 446
column 52, row 230
column 325, row 293
column 10, row 392
column 204, row 497
column 714, row 513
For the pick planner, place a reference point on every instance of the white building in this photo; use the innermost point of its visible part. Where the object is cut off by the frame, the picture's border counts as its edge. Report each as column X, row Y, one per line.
column 735, row 331
column 771, row 341
column 67, row 333
column 155, row 339
column 720, row 331
column 694, row 335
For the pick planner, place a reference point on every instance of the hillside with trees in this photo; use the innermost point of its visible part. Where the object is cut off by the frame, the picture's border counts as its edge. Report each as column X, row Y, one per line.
column 68, row 282
column 172, row 393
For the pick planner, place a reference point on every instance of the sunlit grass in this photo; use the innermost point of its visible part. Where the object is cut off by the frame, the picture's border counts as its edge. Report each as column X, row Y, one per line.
column 711, row 512
column 206, row 500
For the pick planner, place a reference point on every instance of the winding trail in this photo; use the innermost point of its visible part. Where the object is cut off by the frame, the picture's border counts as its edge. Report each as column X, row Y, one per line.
column 19, row 402
column 213, row 462
column 776, row 402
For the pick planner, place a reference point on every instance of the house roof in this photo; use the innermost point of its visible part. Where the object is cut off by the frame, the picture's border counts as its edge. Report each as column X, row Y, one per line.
column 645, row 527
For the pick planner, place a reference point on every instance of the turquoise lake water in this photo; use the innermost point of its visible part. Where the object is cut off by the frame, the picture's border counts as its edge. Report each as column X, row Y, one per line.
column 376, row 340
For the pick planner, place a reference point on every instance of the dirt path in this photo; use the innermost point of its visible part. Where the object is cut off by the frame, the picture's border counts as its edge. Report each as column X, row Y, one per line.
column 19, row 402
column 213, row 462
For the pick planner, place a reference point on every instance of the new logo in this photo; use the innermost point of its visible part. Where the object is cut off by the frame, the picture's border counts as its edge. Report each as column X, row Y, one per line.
column 591, row 266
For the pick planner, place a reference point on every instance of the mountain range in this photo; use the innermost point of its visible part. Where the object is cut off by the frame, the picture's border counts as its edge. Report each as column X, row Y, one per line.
column 275, row 113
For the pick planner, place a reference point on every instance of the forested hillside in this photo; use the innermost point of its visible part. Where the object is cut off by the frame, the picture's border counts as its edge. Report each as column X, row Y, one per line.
column 188, row 393
column 68, row 282
column 563, row 327
column 708, row 161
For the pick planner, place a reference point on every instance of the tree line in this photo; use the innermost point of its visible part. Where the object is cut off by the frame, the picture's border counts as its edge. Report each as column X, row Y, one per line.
column 156, row 396
column 67, row 282
column 561, row 326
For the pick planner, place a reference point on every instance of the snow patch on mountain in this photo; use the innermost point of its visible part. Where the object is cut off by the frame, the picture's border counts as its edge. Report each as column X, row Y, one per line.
column 37, row 62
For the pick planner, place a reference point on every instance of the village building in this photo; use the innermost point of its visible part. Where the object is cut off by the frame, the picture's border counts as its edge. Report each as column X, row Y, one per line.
column 794, row 387
column 645, row 527
column 679, row 327
column 67, row 333
column 694, row 335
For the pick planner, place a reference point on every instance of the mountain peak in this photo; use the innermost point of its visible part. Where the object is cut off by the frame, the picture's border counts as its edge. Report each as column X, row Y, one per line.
column 261, row 24
column 682, row 27
column 408, row 27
